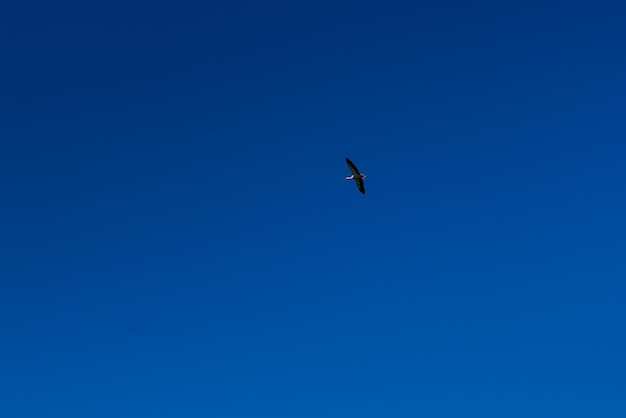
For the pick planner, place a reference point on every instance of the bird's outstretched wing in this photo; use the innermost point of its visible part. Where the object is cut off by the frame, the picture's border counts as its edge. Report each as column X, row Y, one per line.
column 355, row 171
column 360, row 184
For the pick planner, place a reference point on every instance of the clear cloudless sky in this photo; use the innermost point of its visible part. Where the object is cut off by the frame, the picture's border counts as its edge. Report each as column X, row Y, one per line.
column 176, row 239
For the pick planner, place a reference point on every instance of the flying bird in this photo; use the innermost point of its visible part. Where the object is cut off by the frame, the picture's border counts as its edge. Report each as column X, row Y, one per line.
column 356, row 175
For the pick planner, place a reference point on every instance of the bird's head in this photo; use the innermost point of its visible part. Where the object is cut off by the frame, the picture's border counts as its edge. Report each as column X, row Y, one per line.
column 363, row 176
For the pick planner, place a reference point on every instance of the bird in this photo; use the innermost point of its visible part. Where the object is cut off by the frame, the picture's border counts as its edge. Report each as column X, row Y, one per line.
column 356, row 175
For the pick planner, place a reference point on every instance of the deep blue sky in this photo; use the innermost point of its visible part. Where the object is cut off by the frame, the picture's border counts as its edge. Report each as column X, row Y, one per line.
column 177, row 241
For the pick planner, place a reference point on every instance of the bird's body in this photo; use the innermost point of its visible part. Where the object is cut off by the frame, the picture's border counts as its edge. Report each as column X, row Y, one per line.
column 356, row 175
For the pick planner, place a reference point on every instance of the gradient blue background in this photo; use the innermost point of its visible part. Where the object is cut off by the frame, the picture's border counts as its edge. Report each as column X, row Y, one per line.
column 177, row 241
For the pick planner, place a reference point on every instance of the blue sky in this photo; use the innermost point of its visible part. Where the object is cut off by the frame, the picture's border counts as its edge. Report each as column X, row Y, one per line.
column 177, row 240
